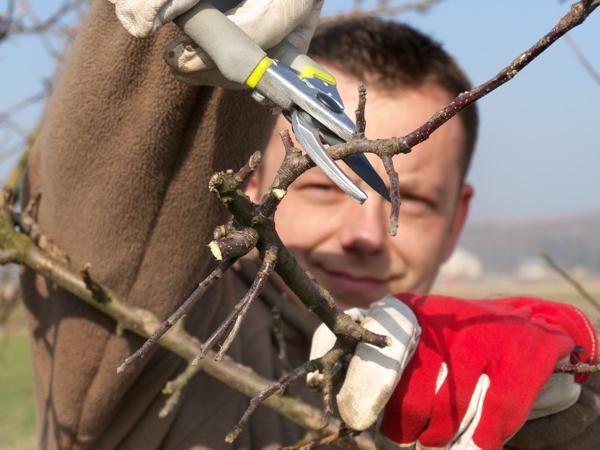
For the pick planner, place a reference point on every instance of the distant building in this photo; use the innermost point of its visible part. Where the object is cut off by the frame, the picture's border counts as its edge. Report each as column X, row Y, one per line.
column 533, row 269
column 462, row 265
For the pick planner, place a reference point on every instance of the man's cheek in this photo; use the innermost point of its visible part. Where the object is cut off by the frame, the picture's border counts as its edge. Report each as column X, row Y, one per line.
column 299, row 226
column 420, row 244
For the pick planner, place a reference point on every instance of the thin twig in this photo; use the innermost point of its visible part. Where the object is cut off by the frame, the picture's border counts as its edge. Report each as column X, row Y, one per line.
column 49, row 23
column 262, row 276
column 174, row 389
column 569, row 279
column 579, row 368
column 165, row 326
column 342, row 433
column 278, row 189
column 328, row 364
column 331, row 363
column 286, row 139
column 388, row 164
column 361, row 123
column 22, row 104
column 239, row 311
column 27, row 221
column 97, row 291
column 383, row 9
column 13, row 181
column 280, row 386
column 277, row 330
column 7, row 20
column 249, row 168
column 587, row 65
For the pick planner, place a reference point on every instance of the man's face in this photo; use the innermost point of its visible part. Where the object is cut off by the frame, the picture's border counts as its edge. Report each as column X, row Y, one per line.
column 347, row 246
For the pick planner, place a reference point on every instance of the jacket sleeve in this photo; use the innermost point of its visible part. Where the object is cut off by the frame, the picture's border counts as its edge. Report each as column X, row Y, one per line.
column 577, row 428
column 122, row 164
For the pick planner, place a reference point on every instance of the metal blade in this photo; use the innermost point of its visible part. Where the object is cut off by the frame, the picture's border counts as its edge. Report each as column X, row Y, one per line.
column 283, row 87
column 361, row 166
column 309, row 139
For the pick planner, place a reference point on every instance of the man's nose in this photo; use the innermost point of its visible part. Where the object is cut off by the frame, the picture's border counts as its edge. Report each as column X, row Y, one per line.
column 364, row 229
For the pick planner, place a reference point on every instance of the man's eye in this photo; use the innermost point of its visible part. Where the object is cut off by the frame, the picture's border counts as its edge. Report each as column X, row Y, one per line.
column 414, row 203
column 321, row 186
column 321, row 191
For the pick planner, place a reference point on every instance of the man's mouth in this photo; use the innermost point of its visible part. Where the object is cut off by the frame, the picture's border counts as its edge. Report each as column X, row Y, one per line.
column 353, row 282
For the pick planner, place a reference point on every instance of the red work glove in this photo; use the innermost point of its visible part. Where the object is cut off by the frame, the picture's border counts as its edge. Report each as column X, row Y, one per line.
column 479, row 368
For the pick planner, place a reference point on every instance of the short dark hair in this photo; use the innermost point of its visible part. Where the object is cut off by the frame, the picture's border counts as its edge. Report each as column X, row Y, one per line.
column 394, row 54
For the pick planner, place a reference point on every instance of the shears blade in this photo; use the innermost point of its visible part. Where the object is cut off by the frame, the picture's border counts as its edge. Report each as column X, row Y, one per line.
column 310, row 140
column 360, row 165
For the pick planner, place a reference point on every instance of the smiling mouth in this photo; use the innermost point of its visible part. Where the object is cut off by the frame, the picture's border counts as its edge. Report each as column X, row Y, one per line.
column 352, row 283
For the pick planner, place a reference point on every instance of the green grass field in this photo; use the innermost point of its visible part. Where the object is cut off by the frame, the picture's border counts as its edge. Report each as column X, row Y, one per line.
column 17, row 418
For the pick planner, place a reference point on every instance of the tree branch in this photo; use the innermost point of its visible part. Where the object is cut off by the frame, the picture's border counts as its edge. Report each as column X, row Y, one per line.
column 185, row 307
column 388, row 164
column 235, row 318
column 578, row 368
column 20, row 249
column 315, row 297
column 569, row 279
column 383, row 9
column 587, row 65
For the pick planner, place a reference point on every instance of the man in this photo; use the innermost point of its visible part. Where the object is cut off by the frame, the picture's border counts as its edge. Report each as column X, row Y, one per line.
column 125, row 155
column 347, row 246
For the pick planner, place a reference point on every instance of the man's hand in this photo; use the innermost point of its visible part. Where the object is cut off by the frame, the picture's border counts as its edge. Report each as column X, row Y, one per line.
column 482, row 368
column 141, row 18
column 373, row 372
column 267, row 22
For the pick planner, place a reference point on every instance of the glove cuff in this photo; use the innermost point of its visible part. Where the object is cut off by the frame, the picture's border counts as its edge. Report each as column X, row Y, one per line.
column 382, row 442
column 586, row 340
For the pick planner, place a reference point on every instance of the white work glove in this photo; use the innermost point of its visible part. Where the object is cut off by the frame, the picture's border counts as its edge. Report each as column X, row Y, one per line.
column 267, row 22
column 373, row 372
column 559, row 393
column 141, row 18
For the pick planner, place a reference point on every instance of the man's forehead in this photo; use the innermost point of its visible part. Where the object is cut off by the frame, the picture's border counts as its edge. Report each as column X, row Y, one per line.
column 418, row 172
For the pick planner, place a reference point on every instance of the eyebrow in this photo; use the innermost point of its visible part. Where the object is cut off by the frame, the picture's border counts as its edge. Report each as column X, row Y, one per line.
column 412, row 183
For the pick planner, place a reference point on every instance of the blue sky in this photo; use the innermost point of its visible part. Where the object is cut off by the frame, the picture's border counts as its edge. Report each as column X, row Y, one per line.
column 539, row 150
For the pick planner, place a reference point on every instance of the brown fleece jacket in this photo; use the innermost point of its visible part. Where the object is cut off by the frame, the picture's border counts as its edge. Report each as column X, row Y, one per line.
column 122, row 163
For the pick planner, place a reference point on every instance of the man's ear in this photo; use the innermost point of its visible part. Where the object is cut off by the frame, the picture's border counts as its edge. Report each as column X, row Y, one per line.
column 460, row 216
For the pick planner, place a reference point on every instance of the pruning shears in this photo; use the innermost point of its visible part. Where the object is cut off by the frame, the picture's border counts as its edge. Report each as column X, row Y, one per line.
column 284, row 76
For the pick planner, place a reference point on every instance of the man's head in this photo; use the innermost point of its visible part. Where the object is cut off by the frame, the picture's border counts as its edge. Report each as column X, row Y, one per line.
column 346, row 246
